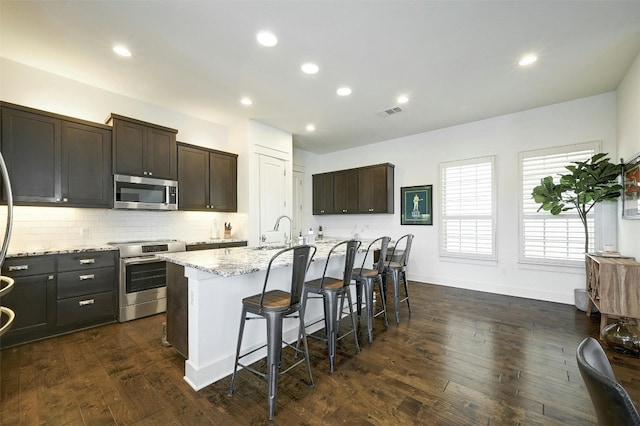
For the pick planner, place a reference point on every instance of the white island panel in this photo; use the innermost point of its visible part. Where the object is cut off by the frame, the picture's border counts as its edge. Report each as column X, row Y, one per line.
column 218, row 281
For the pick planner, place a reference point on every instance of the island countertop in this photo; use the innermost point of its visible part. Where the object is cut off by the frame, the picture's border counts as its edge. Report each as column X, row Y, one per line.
column 230, row 262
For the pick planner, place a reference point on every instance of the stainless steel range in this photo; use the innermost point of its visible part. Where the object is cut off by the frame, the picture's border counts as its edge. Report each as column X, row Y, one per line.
column 143, row 277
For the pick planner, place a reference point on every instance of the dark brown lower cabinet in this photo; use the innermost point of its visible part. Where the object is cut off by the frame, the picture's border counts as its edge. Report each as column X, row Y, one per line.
column 57, row 294
column 32, row 299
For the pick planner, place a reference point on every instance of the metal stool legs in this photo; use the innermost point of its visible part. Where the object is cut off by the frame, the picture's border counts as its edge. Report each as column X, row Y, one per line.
column 369, row 287
column 274, row 356
column 332, row 316
column 332, row 323
column 235, row 364
column 396, row 272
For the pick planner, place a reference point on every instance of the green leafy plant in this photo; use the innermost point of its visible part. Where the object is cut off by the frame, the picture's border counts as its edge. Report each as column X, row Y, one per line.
column 589, row 182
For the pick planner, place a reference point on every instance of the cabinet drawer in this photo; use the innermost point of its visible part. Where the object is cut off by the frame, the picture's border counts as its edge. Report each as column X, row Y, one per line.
column 25, row 266
column 87, row 260
column 78, row 283
column 86, row 308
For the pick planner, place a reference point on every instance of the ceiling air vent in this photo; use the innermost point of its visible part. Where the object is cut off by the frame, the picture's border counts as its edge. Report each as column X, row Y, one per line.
column 388, row 112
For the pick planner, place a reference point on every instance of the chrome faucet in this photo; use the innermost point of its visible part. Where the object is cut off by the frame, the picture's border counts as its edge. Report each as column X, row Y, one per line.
column 277, row 225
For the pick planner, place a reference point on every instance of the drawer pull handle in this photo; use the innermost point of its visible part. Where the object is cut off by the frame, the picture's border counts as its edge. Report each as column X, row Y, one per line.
column 86, row 302
column 87, row 277
column 18, row 268
column 87, row 261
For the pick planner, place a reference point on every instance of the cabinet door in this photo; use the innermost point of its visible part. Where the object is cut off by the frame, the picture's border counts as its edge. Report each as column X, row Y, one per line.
column 31, row 149
column 346, row 191
column 160, row 154
column 223, row 170
column 86, row 165
column 193, row 178
column 32, row 299
column 128, row 148
column 323, row 193
column 375, row 189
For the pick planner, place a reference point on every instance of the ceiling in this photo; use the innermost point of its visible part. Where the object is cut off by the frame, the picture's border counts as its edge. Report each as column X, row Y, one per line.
column 456, row 60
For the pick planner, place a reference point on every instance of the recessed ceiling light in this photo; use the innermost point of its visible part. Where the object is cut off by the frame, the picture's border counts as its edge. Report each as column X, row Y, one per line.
column 344, row 91
column 527, row 60
column 267, row 38
column 310, row 128
column 246, row 101
column 402, row 99
column 122, row 50
column 309, row 68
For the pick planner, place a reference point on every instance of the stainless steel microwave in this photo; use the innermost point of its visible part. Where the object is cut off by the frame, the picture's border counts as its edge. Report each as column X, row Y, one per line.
column 143, row 193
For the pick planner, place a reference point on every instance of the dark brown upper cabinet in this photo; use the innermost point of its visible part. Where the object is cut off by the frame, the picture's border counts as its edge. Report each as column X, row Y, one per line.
column 345, row 191
column 143, row 149
column 375, row 189
column 207, row 179
column 86, row 165
column 323, row 193
column 56, row 160
column 363, row 190
column 223, row 181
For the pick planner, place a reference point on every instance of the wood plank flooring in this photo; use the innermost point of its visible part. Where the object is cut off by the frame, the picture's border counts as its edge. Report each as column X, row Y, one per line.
column 461, row 358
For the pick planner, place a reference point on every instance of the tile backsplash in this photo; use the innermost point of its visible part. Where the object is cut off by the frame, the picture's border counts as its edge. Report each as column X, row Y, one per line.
column 37, row 228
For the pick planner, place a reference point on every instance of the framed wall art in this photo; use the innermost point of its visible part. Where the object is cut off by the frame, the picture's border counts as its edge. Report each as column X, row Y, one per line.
column 417, row 205
column 631, row 184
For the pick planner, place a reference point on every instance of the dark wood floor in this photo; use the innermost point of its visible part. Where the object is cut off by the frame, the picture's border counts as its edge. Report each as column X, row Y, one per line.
column 461, row 358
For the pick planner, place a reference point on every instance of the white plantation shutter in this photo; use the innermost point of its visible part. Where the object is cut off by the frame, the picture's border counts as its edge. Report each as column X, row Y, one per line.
column 546, row 238
column 467, row 219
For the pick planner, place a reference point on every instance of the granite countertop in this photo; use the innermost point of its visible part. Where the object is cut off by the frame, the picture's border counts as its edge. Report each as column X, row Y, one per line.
column 40, row 251
column 59, row 250
column 242, row 260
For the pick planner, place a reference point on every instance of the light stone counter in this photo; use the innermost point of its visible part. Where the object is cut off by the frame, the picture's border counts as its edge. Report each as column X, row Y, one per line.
column 218, row 281
column 58, row 250
column 234, row 261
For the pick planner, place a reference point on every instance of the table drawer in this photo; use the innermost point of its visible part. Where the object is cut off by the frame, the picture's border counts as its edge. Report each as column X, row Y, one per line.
column 78, row 283
column 86, row 260
column 86, row 308
column 29, row 265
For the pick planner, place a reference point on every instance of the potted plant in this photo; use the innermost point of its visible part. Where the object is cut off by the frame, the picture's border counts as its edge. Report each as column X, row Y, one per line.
column 589, row 182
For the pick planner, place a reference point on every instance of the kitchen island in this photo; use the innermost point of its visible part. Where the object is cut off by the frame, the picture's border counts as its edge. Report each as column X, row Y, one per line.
column 218, row 280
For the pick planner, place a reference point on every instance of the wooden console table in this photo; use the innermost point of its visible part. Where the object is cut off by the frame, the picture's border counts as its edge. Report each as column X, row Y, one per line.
column 613, row 286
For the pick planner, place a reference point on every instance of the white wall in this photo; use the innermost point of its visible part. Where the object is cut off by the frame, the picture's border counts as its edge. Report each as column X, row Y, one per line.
column 50, row 228
column 416, row 160
column 628, row 147
column 272, row 142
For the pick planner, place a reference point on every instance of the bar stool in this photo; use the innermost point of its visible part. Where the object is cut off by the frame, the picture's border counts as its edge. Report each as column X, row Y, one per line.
column 398, row 269
column 367, row 278
column 274, row 306
column 330, row 290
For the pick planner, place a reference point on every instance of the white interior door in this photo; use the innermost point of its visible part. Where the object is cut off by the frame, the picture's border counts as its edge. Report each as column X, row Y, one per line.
column 298, row 200
column 273, row 193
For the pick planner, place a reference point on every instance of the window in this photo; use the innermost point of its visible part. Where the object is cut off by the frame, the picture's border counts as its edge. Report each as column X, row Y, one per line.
column 545, row 238
column 467, row 219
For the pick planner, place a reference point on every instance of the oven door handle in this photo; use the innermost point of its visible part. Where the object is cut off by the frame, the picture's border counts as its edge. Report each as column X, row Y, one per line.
column 141, row 260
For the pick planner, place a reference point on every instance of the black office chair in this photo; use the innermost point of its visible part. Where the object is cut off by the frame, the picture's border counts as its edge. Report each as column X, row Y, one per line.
column 275, row 306
column 611, row 402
